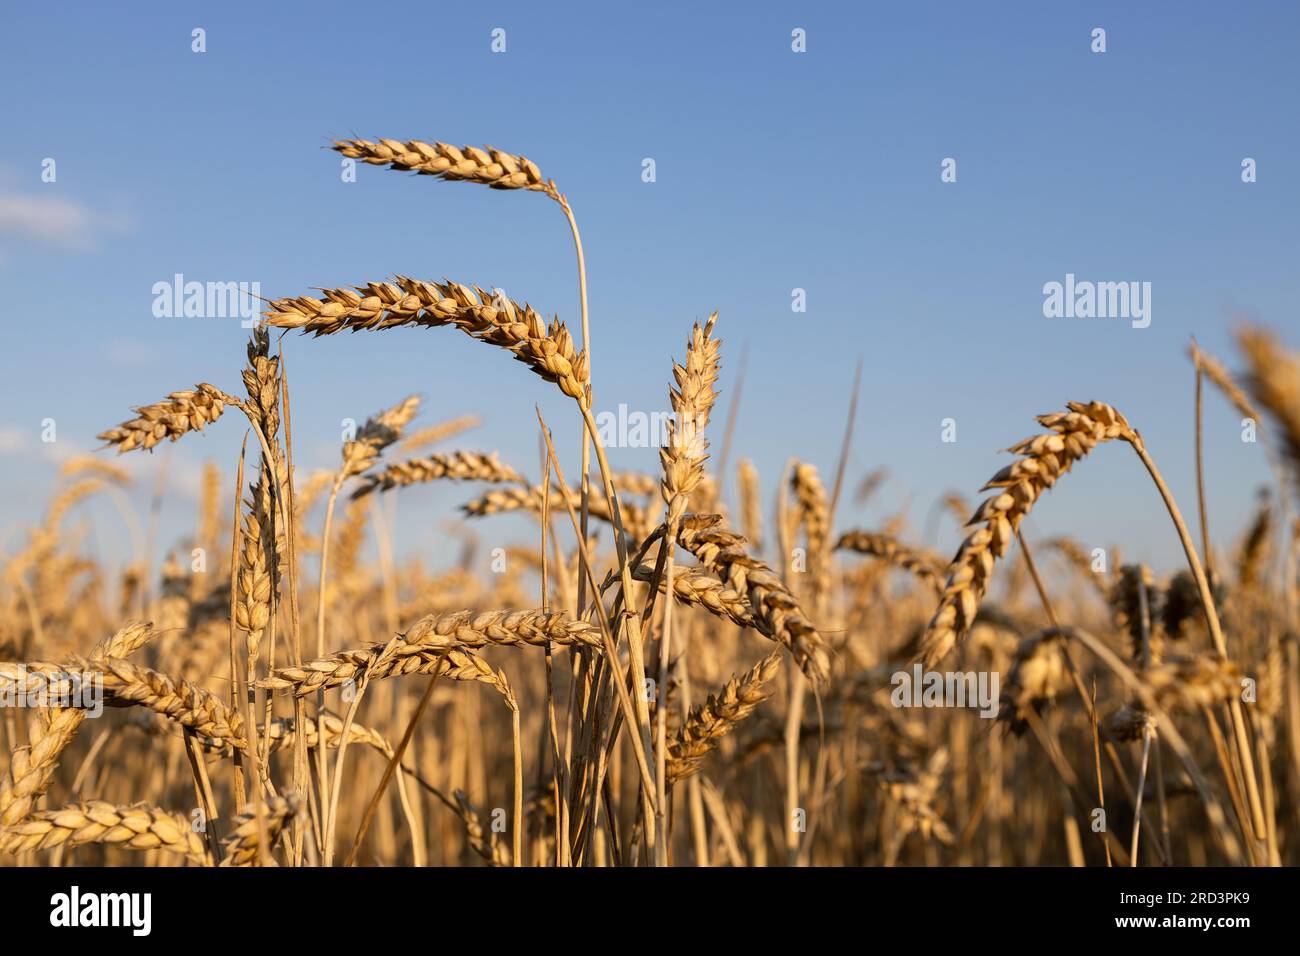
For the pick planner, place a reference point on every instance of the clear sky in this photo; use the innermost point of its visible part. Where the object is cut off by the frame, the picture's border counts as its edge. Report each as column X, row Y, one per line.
column 775, row 170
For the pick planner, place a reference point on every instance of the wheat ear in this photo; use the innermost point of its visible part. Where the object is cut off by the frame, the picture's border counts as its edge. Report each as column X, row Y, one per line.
column 454, row 466
column 476, row 629
column 137, row 827
column 180, row 413
column 777, row 614
column 1274, row 379
column 814, row 515
column 702, row 588
column 923, row 564
column 32, row 766
column 174, row 697
column 1045, row 458
column 257, row 831
column 490, row 318
column 708, row 723
column 455, row 664
column 490, row 167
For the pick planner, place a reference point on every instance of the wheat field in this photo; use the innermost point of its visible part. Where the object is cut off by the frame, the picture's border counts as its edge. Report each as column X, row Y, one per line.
column 652, row 678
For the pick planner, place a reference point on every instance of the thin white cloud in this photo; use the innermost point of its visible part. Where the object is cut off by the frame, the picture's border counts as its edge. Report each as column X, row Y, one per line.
column 12, row 439
column 55, row 219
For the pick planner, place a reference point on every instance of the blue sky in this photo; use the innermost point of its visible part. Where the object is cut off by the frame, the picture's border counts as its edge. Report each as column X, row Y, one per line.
column 775, row 171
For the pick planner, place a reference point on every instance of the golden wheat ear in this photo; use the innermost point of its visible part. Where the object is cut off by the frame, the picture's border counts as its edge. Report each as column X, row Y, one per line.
column 488, row 166
column 179, row 414
column 1044, row 458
